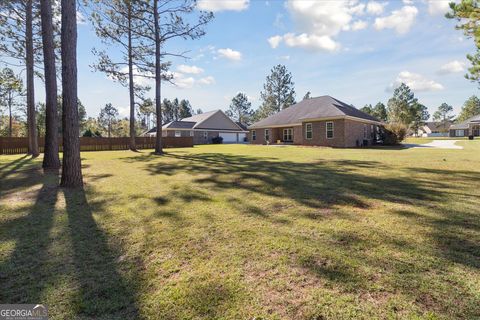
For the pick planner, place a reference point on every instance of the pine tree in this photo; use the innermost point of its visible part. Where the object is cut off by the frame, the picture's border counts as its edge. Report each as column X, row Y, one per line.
column 402, row 105
column 19, row 25
column 470, row 108
column 467, row 13
column 51, row 159
column 121, row 23
column 240, row 109
column 108, row 116
column 185, row 110
column 71, row 162
column 444, row 115
column 169, row 20
column 11, row 90
column 278, row 92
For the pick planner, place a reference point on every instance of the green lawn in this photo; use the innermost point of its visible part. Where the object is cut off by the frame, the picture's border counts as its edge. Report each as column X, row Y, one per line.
column 244, row 232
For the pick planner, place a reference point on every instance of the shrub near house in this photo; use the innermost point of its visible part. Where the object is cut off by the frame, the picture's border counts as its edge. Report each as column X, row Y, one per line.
column 321, row 121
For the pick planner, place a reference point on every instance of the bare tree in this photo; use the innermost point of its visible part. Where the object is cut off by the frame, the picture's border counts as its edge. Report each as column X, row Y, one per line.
column 72, row 167
column 51, row 159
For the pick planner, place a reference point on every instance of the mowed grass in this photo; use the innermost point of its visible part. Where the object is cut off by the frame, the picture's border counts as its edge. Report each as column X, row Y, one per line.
column 247, row 232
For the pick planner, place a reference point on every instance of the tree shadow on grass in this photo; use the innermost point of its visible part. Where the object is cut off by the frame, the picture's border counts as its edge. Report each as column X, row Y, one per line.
column 24, row 274
column 354, row 184
column 104, row 292
column 323, row 184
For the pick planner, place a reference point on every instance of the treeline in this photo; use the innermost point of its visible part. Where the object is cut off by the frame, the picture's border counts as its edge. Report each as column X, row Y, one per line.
column 108, row 123
column 404, row 109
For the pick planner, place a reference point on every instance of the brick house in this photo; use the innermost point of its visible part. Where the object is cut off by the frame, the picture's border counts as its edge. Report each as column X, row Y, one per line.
column 469, row 127
column 321, row 121
column 204, row 127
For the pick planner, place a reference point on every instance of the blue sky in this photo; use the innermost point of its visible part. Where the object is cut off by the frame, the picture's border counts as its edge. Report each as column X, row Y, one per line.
column 356, row 51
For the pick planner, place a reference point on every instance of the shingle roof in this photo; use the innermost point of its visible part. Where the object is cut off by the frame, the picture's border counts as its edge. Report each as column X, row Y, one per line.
column 180, row 124
column 433, row 126
column 464, row 124
column 199, row 117
column 314, row 108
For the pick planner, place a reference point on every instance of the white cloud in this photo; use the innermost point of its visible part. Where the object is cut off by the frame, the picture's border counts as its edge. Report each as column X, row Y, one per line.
column 189, row 69
column 207, row 80
column 223, row 5
column 124, row 111
column 400, row 20
column 182, row 81
column 274, row 41
column 359, row 25
column 321, row 17
column 407, row 2
column 230, row 54
column 317, row 23
column 311, row 41
column 375, row 8
column 416, row 82
column 438, row 7
column 454, row 66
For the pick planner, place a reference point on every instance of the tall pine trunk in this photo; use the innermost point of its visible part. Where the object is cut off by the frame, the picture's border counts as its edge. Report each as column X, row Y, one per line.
column 10, row 118
column 158, row 80
column 50, row 159
column 72, row 167
column 133, row 147
column 29, row 62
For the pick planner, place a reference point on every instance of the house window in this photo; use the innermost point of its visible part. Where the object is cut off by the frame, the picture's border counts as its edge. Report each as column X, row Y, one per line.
column 178, row 134
column 329, row 128
column 205, row 135
column 308, row 131
column 365, row 131
column 288, row 135
column 459, row 133
column 372, row 132
column 267, row 135
column 191, row 133
column 254, row 135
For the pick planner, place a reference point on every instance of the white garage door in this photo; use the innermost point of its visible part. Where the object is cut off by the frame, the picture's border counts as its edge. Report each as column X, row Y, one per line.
column 228, row 137
column 241, row 137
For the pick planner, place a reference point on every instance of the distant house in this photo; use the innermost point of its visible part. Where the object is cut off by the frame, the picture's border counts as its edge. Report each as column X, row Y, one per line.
column 203, row 128
column 469, row 127
column 321, row 121
column 434, row 129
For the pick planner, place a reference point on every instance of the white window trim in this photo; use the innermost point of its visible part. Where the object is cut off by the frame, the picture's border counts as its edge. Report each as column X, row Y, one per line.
column 306, row 131
column 291, row 134
column 326, row 129
column 457, row 131
column 365, row 132
column 178, row 134
column 254, row 135
column 191, row 133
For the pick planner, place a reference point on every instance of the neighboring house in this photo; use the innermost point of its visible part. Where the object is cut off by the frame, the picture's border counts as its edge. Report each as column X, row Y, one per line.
column 469, row 127
column 203, row 128
column 322, row 121
column 434, row 129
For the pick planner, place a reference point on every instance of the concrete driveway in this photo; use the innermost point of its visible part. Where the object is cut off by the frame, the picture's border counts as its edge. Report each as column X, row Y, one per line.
column 439, row 144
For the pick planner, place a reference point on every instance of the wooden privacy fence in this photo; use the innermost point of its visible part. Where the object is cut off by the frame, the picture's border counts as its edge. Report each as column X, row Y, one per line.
column 20, row 145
